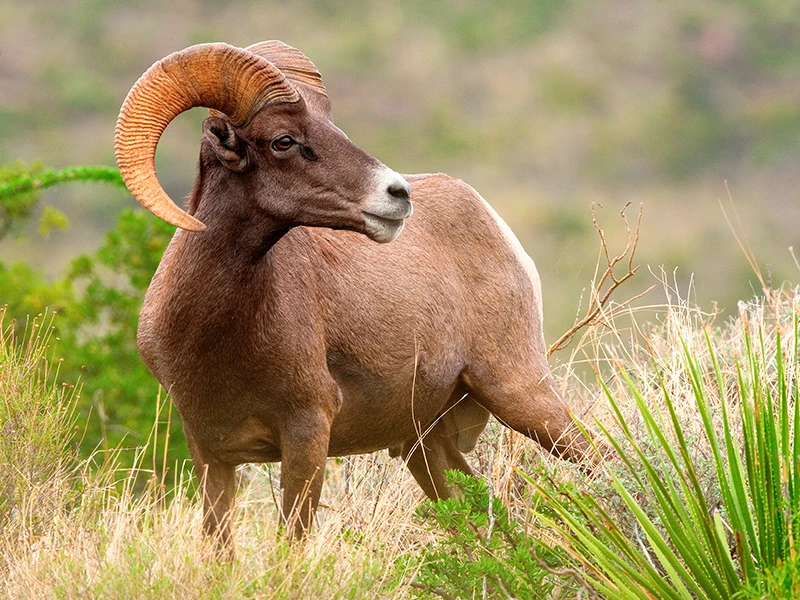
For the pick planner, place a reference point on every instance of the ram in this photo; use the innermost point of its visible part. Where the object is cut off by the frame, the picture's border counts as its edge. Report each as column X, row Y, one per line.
column 282, row 322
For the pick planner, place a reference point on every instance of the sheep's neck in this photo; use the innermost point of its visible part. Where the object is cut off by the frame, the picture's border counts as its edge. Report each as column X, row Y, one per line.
column 237, row 242
column 230, row 262
column 219, row 299
column 238, row 234
column 227, row 270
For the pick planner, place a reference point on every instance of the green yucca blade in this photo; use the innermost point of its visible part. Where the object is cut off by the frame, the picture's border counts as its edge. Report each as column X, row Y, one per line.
column 783, row 406
column 686, row 518
column 748, row 414
column 605, row 529
column 666, row 557
column 580, row 543
column 590, row 506
column 681, row 526
column 771, row 459
column 691, row 528
column 760, row 476
column 692, row 532
column 692, row 493
column 785, row 488
column 668, row 502
column 734, row 494
column 778, row 434
column 655, row 433
column 617, row 578
column 719, row 551
column 676, row 572
column 626, row 434
column 748, row 446
column 760, row 464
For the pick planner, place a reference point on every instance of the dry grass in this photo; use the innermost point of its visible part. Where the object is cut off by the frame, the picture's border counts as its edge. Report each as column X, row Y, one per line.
column 72, row 529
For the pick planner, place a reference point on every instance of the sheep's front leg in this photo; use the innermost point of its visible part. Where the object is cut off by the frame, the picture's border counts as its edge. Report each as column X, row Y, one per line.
column 218, row 485
column 304, row 449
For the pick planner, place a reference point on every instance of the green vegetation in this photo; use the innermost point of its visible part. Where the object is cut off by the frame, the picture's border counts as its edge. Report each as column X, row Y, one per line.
column 719, row 538
column 483, row 549
column 698, row 499
column 97, row 302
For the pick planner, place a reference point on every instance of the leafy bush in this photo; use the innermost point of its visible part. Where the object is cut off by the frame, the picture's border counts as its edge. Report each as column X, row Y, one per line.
column 483, row 552
column 98, row 302
column 19, row 184
column 103, row 321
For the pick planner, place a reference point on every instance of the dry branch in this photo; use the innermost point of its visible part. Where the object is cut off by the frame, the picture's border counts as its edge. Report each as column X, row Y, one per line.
column 599, row 297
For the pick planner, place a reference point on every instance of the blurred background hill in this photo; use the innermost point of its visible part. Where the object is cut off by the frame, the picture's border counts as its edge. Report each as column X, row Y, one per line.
column 544, row 106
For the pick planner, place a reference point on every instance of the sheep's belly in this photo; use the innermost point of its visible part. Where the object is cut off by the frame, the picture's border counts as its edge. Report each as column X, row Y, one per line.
column 377, row 413
column 390, row 421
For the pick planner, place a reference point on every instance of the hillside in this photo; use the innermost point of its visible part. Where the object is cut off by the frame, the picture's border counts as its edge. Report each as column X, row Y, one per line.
column 543, row 106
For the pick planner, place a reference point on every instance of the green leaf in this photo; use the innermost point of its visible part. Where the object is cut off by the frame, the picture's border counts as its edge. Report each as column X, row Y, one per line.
column 52, row 219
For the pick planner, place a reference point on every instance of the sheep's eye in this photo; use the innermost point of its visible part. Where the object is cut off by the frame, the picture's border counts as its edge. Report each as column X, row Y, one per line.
column 283, row 143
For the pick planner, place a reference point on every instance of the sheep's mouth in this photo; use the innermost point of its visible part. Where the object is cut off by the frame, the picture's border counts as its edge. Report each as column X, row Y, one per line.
column 380, row 229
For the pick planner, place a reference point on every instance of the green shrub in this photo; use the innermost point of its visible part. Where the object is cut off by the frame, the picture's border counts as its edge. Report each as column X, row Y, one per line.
column 20, row 184
column 119, row 388
column 483, row 552
column 98, row 302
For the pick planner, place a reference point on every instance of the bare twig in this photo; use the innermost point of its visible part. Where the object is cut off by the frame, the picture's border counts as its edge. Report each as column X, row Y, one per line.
column 794, row 258
column 600, row 298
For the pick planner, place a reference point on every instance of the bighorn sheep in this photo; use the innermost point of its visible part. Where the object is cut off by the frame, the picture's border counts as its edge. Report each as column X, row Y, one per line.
column 283, row 331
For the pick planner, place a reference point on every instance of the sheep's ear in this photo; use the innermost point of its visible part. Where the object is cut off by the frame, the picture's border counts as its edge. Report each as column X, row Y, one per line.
column 230, row 149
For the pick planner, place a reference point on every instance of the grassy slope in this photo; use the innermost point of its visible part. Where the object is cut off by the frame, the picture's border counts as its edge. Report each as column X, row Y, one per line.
column 72, row 529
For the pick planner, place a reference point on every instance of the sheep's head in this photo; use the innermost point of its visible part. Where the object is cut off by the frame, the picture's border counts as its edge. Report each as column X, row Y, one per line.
column 270, row 122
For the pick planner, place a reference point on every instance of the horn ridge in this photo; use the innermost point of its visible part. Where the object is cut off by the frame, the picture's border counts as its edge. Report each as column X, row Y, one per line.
column 297, row 67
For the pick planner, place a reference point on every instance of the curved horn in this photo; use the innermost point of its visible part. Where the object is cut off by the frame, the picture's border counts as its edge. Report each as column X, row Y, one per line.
column 231, row 80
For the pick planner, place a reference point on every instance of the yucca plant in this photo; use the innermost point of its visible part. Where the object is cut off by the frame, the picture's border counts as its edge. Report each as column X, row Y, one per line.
column 686, row 545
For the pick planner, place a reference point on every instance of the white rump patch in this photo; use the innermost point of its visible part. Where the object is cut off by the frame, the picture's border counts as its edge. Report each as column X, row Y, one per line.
column 522, row 256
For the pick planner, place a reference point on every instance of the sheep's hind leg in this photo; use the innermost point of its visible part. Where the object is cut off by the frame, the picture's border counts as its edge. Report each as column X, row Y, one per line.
column 441, row 449
column 526, row 400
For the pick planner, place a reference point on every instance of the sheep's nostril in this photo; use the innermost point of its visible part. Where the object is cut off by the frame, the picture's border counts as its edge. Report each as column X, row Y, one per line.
column 399, row 190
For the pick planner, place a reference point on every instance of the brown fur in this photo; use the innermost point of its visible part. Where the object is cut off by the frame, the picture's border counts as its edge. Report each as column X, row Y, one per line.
column 279, row 341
